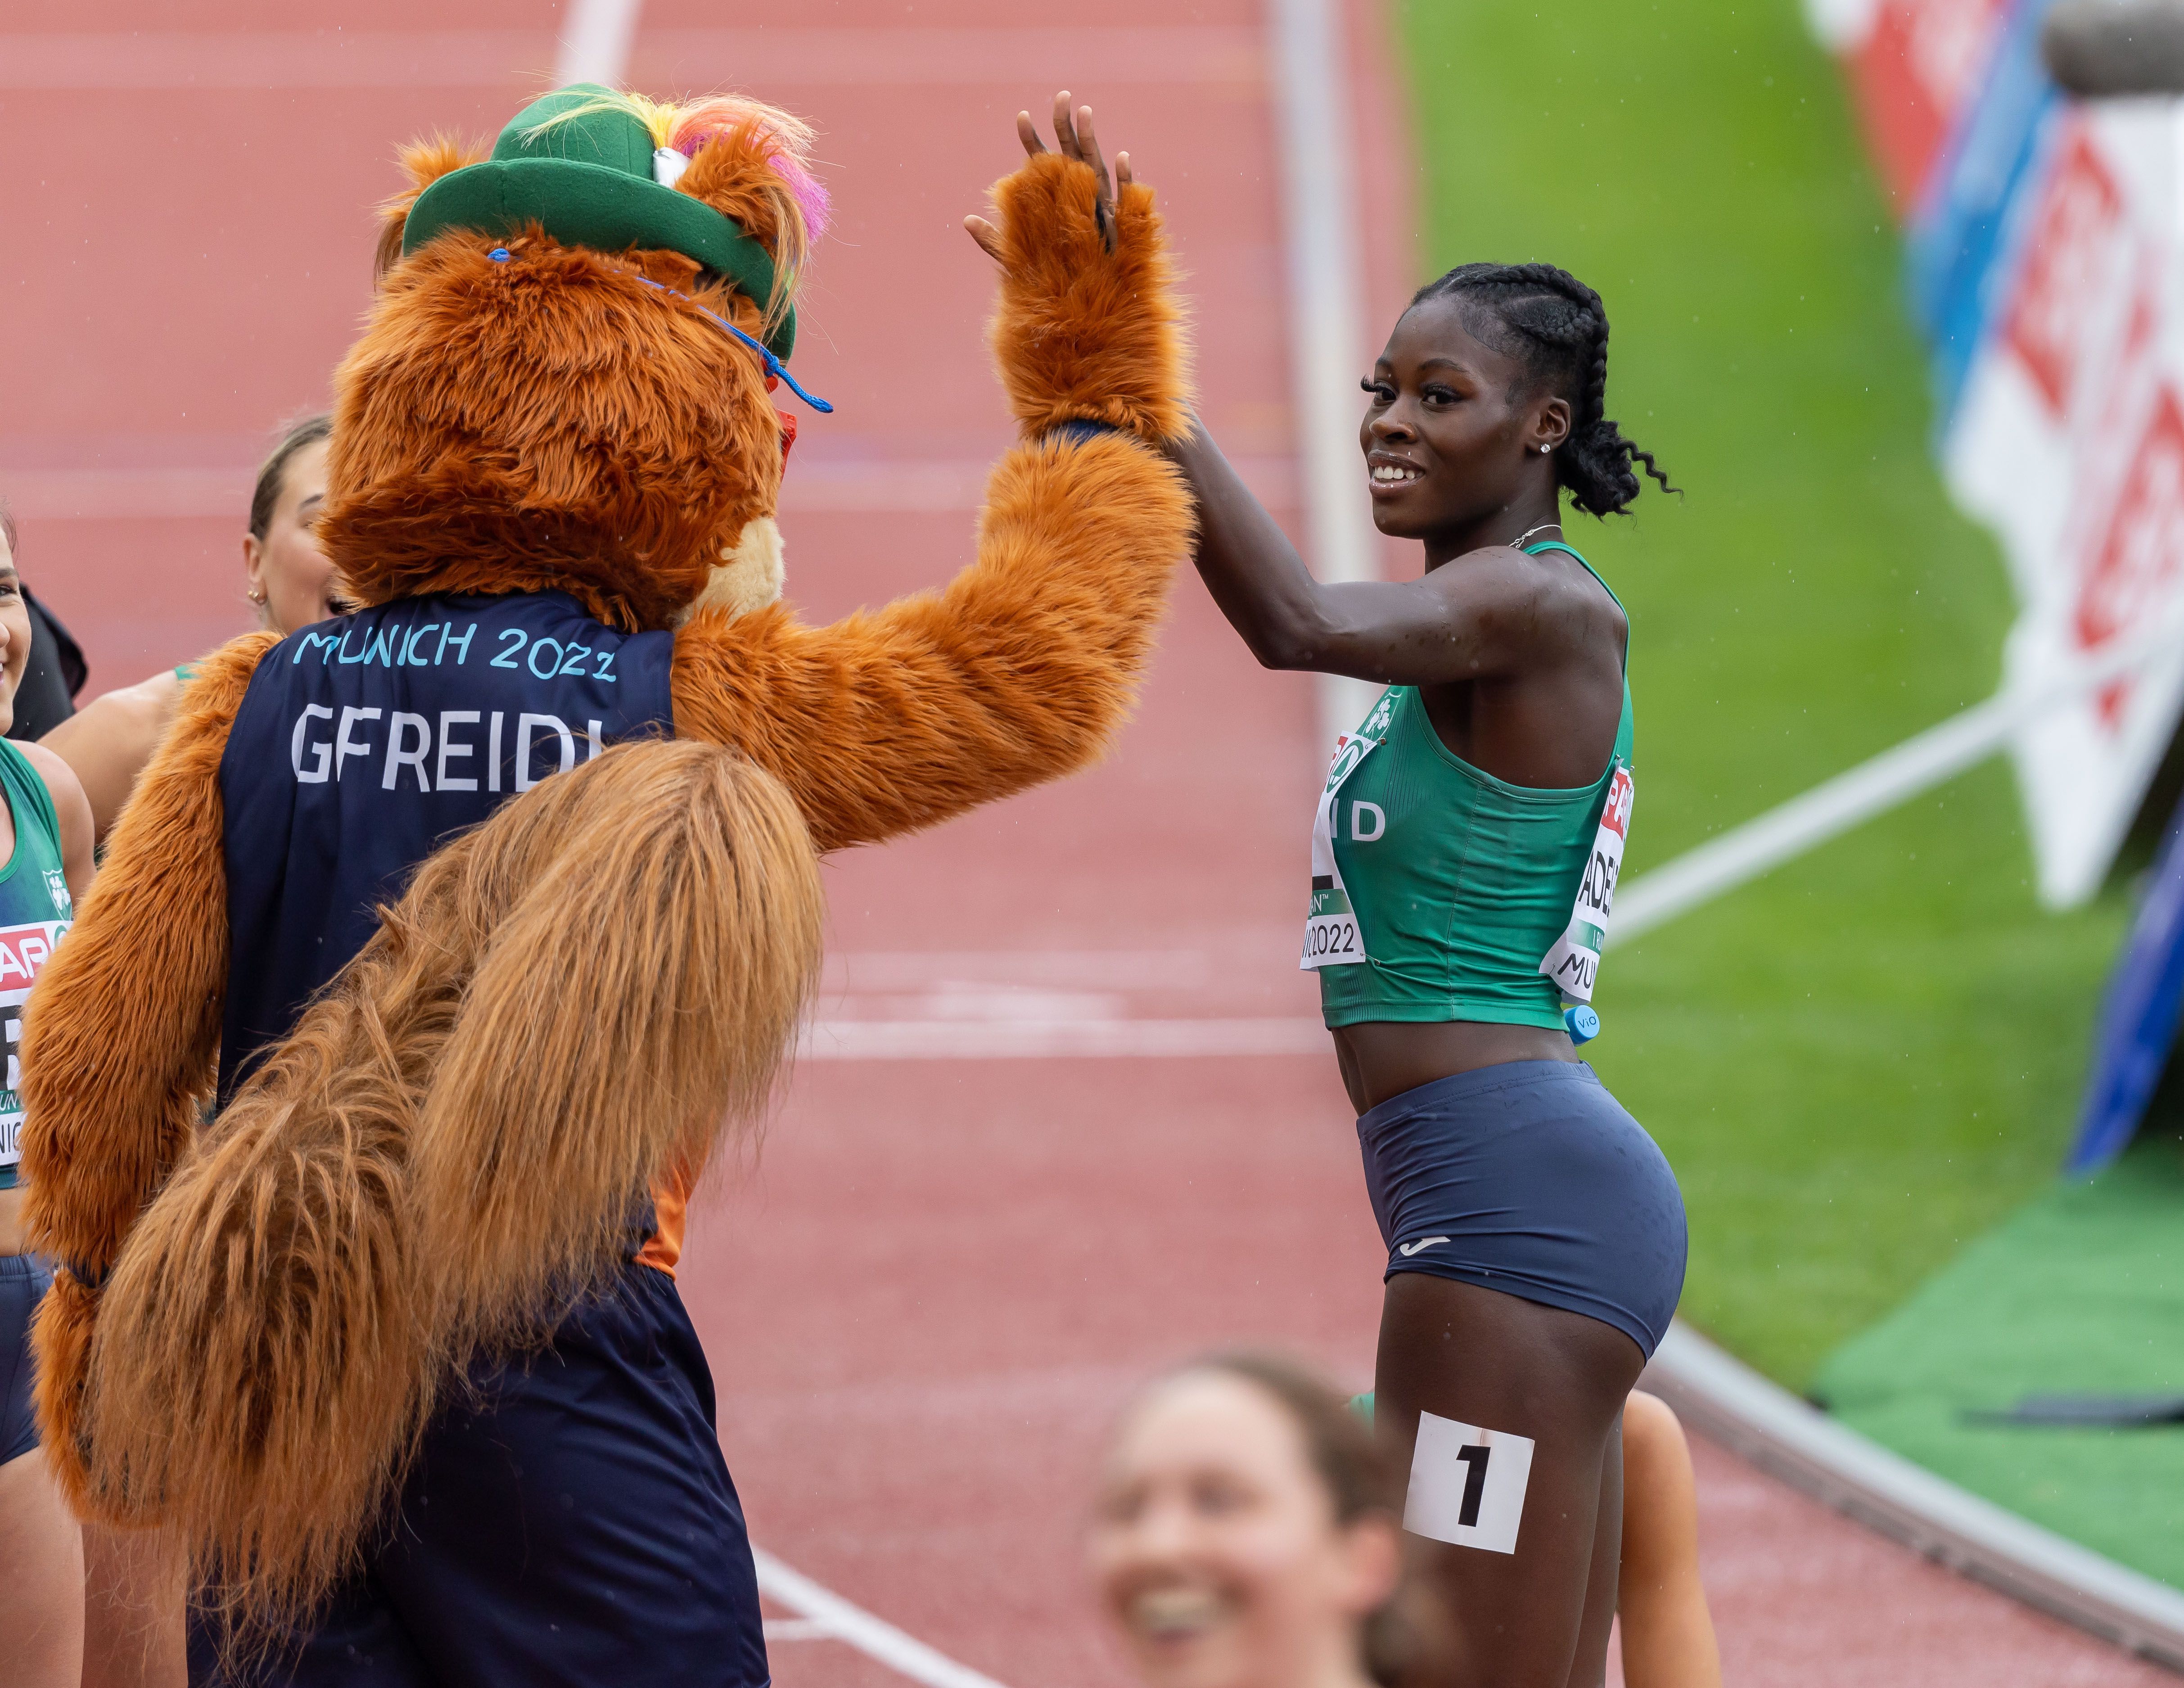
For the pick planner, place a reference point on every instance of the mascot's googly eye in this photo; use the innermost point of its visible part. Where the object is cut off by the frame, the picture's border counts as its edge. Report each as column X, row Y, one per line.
column 499, row 254
column 668, row 166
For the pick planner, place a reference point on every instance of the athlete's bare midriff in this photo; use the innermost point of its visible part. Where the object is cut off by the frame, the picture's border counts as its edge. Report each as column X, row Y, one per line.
column 1384, row 1057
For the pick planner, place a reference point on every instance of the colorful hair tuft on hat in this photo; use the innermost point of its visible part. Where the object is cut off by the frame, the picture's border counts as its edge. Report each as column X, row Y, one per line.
column 784, row 139
column 788, row 146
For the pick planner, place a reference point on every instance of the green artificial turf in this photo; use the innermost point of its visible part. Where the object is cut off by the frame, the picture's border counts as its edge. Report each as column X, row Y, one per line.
column 1863, row 1062
column 2082, row 1292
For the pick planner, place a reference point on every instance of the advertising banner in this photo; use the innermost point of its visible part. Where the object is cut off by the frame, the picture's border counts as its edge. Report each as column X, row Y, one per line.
column 2046, row 263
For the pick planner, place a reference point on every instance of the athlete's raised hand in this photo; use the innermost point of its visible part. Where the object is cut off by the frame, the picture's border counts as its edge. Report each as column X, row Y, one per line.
column 1076, row 139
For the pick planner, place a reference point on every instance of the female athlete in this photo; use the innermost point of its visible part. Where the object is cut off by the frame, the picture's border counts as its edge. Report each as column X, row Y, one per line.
column 45, row 865
column 1464, row 853
column 290, row 584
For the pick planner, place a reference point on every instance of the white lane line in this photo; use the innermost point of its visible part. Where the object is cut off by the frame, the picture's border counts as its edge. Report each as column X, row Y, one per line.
column 874, row 1637
column 1083, row 58
column 1754, row 1417
column 818, row 486
column 596, row 48
column 799, row 1630
column 1088, row 58
column 1895, row 776
column 1320, row 234
column 974, row 1040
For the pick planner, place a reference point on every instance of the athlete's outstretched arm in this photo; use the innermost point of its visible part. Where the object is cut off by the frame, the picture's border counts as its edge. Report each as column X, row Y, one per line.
column 1021, row 668
column 1499, row 612
column 120, row 1034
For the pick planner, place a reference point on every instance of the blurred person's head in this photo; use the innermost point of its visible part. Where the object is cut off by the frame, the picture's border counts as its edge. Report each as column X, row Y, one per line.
column 14, row 621
column 1247, row 1534
column 292, row 583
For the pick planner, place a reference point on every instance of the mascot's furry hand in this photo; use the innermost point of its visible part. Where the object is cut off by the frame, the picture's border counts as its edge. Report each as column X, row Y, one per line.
column 528, row 413
column 1089, row 325
column 1022, row 668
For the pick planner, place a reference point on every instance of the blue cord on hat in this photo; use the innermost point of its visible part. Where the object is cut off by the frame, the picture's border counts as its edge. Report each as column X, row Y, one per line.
column 774, row 366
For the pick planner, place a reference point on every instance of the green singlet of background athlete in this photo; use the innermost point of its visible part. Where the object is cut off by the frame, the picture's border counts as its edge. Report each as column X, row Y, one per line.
column 1518, row 660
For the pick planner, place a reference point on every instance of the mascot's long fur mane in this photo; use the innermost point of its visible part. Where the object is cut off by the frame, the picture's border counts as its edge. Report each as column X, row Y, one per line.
column 445, row 1155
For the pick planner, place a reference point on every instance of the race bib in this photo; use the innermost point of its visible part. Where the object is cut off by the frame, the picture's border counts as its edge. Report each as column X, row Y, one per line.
column 1574, row 964
column 1467, row 1485
column 1332, row 937
column 22, row 954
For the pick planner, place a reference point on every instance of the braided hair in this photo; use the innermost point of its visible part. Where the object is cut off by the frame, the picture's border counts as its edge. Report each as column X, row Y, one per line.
column 1557, row 327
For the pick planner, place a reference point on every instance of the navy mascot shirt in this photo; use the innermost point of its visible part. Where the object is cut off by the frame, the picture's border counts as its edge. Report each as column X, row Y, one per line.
column 365, row 743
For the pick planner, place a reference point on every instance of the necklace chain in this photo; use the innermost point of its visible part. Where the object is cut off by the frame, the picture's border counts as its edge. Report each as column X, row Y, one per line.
column 1518, row 544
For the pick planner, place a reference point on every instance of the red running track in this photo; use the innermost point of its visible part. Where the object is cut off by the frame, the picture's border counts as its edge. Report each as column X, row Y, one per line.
column 927, row 1295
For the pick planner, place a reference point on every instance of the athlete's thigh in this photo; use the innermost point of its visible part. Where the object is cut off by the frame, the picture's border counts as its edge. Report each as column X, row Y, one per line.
column 1547, row 1384
column 1603, row 1584
column 40, row 1577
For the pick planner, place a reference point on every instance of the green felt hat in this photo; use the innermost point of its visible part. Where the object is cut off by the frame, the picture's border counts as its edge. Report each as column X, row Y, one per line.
column 587, row 180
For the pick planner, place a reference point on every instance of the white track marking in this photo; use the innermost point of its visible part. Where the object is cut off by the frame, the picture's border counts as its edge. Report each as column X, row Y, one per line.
column 1835, row 806
column 799, row 1630
column 820, row 486
column 1319, row 218
column 596, row 46
column 960, row 1040
column 919, row 970
column 1757, row 1419
column 774, row 57
column 874, row 1637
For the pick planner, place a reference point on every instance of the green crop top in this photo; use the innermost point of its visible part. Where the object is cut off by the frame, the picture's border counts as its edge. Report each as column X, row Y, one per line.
column 1438, row 891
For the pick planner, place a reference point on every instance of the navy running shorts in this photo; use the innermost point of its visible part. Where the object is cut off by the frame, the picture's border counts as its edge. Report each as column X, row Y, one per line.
column 24, row 1281
column 576, row 1530
column 1529, row 1178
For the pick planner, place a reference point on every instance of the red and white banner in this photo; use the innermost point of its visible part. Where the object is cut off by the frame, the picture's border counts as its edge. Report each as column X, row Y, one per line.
column 2068, row 441
column 2067, row 434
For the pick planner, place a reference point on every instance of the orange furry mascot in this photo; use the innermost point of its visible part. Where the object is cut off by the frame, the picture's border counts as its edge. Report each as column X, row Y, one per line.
column 391, row 1349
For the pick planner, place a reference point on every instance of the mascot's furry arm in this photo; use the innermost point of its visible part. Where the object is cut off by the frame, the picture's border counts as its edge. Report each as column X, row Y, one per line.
column 1022, row 668
column 118, row 1043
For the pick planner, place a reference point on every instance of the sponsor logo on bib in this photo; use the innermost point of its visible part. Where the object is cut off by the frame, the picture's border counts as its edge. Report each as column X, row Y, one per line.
column 24, row 951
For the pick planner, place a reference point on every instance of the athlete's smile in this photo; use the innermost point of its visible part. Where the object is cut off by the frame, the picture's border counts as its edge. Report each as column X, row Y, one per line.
column 1388, row 474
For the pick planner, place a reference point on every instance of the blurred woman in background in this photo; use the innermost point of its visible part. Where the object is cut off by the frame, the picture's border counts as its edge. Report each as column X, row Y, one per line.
column 132, row 1634
column 290, row 584
column 45, row 865
column 1248, row 1535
